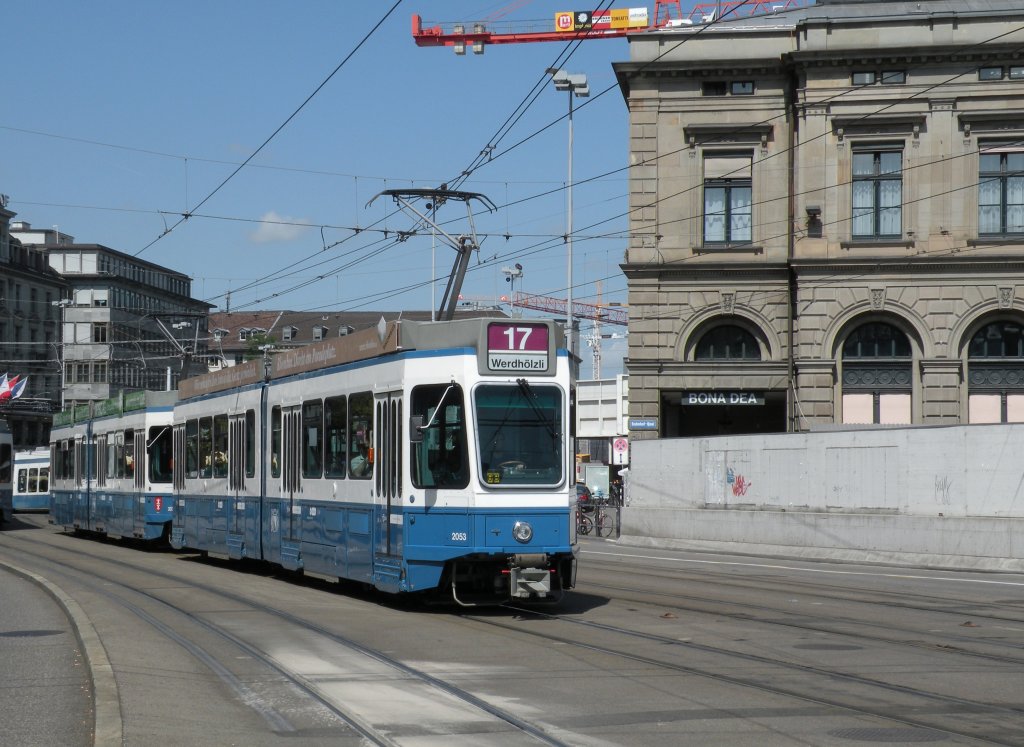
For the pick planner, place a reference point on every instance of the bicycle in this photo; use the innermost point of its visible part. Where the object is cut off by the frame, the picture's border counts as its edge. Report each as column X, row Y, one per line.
column 584, row 523
column 603, row 523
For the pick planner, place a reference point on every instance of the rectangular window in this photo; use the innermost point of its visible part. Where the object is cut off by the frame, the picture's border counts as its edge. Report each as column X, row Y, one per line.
column 99, row 332
column 129, row 454
column 275, row 441
column 335, row 440
column 220, row 446
column 1016, row 72
column 313, row 438
column 1001, row 192
column 742, row 88
column 894, row 77
column 250, row 443
column 990, row 73
column 727, row 198
column 158, row 452
column 877, row 193
column 206, row 447
column 192, row 449
column 864, row 78
column 360, row 432
column 713, row 88
column 440, row 460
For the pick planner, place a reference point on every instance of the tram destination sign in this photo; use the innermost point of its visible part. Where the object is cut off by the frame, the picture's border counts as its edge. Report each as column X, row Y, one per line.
column 722, row 398
column 518, row 347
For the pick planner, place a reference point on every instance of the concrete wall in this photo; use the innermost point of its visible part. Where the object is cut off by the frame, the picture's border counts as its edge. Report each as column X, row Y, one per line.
column 948, row 496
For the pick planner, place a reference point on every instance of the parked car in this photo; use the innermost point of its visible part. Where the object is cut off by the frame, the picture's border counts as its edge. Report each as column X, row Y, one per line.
column 584, row 498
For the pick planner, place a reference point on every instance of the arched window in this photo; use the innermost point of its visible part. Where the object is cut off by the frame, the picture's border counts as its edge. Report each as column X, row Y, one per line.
column 995, row 373
column 998, row 340
column 727, row 342
column 877, row 375
column 876, row 340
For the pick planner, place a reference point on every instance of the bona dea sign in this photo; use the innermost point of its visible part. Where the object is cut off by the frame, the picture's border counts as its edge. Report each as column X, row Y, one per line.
column 723, row 398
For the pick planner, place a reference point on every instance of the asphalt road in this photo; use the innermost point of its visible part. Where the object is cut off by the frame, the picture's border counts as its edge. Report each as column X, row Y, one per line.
column 653, row 648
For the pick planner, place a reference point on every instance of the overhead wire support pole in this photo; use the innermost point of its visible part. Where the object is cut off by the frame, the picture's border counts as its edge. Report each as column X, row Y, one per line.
column 464, row 245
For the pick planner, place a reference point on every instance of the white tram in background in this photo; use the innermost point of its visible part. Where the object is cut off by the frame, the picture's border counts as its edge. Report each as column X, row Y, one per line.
column 32, row 480
column 6, row 472
column 111, row 467
column 417, row 457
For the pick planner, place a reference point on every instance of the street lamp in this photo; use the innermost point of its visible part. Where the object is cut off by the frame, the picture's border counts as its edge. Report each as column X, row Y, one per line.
column 576, row 85
column 62, row 304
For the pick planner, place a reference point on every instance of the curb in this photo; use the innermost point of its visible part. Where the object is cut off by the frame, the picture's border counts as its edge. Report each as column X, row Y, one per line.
column 108, row 727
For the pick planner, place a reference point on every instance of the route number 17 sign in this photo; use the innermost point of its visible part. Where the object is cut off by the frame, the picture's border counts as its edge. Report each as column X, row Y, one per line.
column 517, row 346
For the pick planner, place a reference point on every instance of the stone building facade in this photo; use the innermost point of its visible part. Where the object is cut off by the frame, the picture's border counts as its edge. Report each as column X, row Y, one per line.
column 827, row 219
column 29, row 335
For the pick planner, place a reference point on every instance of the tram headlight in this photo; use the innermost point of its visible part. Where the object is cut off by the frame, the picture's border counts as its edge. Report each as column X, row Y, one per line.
column 522, row 531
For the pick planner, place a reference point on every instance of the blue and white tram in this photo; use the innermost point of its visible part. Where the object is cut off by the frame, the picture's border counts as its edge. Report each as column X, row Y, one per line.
column 419, row 457
column 32, row 480
column 6, row 472
column 112, row 467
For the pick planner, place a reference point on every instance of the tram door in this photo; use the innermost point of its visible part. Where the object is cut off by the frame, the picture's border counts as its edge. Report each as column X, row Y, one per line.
column 239, row 449
column 387, row 471
column 291, row 475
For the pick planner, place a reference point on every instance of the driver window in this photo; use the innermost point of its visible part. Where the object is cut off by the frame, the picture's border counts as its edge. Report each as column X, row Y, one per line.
column 440, row 459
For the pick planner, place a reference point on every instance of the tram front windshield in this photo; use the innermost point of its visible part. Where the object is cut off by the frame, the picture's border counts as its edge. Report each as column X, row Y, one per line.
column 520, row 429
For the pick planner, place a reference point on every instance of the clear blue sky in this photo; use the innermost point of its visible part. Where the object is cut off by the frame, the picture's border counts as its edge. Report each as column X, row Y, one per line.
column 119, row 116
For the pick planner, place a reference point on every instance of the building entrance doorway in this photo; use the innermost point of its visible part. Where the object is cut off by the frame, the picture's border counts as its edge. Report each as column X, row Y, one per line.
column 691, row 413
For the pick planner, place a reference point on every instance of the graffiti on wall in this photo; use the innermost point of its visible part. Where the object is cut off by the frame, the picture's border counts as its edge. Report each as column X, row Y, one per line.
column 740, row 485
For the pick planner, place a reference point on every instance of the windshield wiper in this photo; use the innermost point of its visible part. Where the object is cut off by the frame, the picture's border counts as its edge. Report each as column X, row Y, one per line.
column 531, row 397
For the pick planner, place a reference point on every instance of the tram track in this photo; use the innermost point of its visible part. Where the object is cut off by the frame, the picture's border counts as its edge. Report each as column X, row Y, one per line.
column 897, row 600
column 948, row 643
column 375, row 735
column 940, row 708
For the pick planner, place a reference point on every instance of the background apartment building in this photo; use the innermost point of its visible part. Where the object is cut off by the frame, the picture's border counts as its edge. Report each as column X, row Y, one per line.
column 126, row 324
column 29, row 335
column 827, row 219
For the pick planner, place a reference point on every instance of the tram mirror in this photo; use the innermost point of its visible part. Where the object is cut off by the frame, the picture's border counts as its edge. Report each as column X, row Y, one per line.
column 416, row 429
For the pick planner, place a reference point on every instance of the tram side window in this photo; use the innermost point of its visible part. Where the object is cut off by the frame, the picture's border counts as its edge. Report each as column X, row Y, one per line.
column 335, row 439
column 62, row 461
column 440, row 459
column 275, row 442
column 206, row 447
column 115, row 455
column 192, row 449
column 129, row 453
column 44, row 479
column 250, row 443
column 220, row 446
column 158, row 449
column 360, row 430
column 22, row 480
column 312, row 438
column 5, row 463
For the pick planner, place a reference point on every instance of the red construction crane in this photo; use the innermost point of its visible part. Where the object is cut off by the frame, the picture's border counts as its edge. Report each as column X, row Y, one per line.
column 607, row 313
column 597, row 313
column 572, row 25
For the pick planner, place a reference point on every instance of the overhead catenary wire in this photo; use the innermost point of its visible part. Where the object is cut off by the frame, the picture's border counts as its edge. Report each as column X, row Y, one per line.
column 280, row 127
column 578, row 182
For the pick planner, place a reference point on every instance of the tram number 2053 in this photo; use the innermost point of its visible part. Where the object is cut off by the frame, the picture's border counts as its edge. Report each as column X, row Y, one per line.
column 459, row 537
